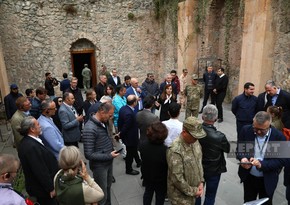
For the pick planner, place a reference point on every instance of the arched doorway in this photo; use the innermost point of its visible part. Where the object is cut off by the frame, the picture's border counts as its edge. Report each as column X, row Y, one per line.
column 83, row 52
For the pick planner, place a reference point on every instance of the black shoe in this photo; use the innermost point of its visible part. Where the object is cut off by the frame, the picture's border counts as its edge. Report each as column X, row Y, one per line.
column 220, row 120
column 200, row 112
column 113, row 179
column 139, row 164
column 133, row 172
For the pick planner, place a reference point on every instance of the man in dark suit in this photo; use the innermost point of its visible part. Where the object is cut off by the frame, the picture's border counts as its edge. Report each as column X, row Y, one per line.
column 70, row 120
column 280, row 98
column 145, row 117
column 100, row 88
column 79, row 101
column 220, row 91
column 39, row 164
column 168, row 80
column 65, row 83
column 137, row 91
column 114, row 80
column 127, row 126
column 259, row 171
column 209, row 78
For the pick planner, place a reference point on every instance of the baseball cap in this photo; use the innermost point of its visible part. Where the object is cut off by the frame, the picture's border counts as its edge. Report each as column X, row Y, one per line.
column 13, row 86
column 194, row 76
column 194, row 127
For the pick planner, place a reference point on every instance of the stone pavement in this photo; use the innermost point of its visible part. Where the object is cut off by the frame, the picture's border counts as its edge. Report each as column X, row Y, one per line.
column 128, row 189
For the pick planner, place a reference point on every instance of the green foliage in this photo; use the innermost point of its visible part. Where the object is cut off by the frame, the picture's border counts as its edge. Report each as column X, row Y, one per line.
column 200, row 15
column 131, row 16
column 228, row 24
column 164, row 8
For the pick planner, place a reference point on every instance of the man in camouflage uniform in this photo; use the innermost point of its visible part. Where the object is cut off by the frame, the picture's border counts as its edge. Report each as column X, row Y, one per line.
column 87, row 74
column 193, row 93
column 185, row 172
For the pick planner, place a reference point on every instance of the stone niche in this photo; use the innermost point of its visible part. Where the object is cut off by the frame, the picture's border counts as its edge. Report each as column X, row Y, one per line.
column 43, row 36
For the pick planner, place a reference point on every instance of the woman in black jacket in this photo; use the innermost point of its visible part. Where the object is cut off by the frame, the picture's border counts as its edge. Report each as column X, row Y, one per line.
column 154, row 165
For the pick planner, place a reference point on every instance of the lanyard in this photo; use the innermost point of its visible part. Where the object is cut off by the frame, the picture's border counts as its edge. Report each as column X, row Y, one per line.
column 265, row 142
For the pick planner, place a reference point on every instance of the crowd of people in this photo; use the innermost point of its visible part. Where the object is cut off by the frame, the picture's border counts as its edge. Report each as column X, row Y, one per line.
column 179, row 160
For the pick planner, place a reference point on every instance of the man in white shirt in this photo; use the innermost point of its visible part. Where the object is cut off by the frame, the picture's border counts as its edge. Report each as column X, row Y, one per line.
column 173, row 125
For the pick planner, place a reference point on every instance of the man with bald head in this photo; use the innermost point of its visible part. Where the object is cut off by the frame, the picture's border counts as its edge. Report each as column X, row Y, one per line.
column 128, row 128
column 136, row 90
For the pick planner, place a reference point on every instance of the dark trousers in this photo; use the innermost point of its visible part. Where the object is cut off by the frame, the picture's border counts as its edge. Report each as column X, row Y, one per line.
column 71, row 144
column 46, row 201
column 207, row 93
column 253, row 187
column 240, row 125
column 219, row 101
column 160, row 190
column 103, row 174
column 132, row 153
column 211, row 186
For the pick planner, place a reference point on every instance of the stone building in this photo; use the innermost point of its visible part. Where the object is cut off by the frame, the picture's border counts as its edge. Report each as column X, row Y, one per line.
column 250, row 38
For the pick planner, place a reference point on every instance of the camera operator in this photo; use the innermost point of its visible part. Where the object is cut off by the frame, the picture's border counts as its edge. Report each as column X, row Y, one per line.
column 50, row 82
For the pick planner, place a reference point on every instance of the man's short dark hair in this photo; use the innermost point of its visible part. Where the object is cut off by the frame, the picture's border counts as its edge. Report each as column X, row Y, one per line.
column 174, row 109
column 64, row 75
column 47, row 74
column 248, row 84
column 28, row 91
column 222, row 69
column 148, row 101
column 40, row 91
column 173, row 71
column 127, row 77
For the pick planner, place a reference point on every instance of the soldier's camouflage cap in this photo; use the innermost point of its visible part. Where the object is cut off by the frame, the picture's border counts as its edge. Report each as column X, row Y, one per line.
column 194, row 77
column 194, row 127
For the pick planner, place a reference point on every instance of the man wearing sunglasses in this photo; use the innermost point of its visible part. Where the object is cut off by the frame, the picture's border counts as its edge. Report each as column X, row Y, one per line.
column 259, row 170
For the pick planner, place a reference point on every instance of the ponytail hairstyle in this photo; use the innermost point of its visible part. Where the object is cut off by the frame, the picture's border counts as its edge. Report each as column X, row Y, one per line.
column 275, row 111
column 69, row 159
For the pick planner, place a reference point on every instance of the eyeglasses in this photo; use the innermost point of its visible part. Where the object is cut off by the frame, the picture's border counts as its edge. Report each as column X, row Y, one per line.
column 260, row 130
column 53, row 108
column 59, row 100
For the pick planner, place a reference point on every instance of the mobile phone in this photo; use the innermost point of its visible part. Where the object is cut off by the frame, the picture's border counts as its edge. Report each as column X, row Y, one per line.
column 247, row 163
column 118, row 151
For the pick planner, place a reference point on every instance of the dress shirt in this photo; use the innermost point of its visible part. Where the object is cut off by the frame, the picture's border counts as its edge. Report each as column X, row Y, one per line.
column 274, row 98
column 174, row 127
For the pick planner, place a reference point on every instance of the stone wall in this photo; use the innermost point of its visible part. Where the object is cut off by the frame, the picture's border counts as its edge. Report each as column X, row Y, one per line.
column 37, row 37
column 281, row 25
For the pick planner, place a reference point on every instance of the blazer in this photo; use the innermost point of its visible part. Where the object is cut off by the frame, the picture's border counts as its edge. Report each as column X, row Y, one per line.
column 51, row 136
column 70, row 125
column 174, row 87
column 282, row 101
column 112, row 82
column 141, row 95
column 39, row 167
column 127, row 126
column 144, row 119
column 271, row 167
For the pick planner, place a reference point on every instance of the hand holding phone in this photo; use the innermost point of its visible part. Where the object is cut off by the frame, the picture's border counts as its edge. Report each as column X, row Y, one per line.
column 119, row 151
column 246, row 163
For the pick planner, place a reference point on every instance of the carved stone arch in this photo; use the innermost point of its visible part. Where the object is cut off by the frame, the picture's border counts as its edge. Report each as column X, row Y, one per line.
column 83, row 51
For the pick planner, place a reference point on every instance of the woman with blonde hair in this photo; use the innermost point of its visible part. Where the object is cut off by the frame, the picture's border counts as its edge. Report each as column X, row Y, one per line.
column 73, row 185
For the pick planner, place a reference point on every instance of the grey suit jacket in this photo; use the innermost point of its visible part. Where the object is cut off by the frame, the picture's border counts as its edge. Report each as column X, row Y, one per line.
column 70, row 125
column 144, row 119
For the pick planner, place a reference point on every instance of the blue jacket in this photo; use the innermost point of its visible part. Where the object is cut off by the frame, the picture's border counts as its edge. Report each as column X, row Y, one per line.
column 271, row 167
column 142, row 95
column 51, row 136
column 127, row 126
column 70, row 125
column 10, row 106
column 64, row 85
column 174, row 87
column 244, row 107
column 35, row 110
column 118, row 102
